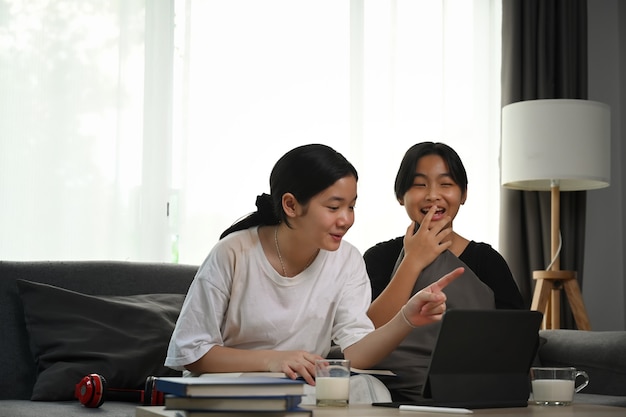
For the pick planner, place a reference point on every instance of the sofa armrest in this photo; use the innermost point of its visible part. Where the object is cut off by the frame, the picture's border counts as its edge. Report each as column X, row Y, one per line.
column 602, row 354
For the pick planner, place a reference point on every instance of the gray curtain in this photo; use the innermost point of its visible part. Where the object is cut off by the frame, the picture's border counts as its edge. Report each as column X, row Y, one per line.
column 544, row 55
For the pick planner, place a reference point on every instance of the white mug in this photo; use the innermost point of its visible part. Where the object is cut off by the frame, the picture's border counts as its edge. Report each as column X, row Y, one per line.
column 556, row 386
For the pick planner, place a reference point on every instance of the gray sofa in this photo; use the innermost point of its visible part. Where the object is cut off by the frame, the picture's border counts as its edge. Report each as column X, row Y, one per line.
column 50, row 338
column 602, row 354
column 102, row 327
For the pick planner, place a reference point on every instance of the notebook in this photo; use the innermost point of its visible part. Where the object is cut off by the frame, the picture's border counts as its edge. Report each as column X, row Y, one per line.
column 481, row 359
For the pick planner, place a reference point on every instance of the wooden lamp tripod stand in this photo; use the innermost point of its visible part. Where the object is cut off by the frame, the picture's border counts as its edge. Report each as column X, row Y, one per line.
column 549, row 283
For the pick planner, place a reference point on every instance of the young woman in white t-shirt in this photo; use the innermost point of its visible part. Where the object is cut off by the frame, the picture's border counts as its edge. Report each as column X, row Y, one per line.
column 281, row 284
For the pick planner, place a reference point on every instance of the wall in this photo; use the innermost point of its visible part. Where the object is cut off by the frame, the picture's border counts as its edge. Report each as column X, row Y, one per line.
column 604, row 291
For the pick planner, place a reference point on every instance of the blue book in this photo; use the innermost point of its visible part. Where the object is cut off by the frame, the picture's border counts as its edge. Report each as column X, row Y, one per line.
column 246, row 403
column 228, row 386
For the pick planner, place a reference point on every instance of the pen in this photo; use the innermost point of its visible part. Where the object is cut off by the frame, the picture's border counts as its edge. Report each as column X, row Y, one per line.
column 425, row 408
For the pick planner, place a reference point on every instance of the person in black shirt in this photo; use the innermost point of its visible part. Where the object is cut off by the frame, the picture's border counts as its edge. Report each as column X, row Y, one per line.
column 431, row 184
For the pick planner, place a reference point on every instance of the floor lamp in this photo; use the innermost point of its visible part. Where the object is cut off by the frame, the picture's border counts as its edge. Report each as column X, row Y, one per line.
column 556, row 145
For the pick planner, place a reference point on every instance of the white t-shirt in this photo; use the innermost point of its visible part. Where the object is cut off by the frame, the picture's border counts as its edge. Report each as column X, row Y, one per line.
column 238, row 300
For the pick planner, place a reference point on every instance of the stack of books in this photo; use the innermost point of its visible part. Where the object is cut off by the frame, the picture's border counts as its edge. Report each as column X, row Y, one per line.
column 233, row 396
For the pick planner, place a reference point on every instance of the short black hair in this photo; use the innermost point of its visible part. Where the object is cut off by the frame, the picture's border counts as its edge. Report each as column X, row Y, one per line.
column 406, row 172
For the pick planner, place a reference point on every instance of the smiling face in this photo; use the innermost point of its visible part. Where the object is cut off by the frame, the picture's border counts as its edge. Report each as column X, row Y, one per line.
column 432, row 185
column 328, row 215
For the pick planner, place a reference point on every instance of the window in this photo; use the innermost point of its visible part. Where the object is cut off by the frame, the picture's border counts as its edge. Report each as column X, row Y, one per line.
column 141, row 131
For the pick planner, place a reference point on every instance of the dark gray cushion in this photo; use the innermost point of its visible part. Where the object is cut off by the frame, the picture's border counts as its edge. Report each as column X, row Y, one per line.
column 123, row 338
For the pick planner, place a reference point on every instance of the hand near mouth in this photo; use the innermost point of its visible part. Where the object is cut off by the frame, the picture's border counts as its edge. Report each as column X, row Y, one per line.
column 424, row 245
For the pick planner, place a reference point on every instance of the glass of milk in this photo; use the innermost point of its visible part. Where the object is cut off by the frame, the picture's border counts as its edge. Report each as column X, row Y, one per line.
column 332, row 382
column 556, row 386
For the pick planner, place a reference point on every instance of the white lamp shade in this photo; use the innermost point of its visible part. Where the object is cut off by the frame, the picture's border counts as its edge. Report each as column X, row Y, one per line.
column 567, row 141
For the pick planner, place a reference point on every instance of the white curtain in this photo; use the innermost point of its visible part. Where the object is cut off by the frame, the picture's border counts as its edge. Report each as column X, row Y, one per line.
column 140, row 130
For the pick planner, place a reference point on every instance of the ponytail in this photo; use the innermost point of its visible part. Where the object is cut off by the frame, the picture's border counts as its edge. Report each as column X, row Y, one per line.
column 264, row 215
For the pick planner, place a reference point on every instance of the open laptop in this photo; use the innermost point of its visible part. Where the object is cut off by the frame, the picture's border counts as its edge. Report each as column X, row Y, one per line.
column 481, row 359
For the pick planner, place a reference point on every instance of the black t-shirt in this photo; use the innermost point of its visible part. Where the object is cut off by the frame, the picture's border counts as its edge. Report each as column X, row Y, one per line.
column 481, row 258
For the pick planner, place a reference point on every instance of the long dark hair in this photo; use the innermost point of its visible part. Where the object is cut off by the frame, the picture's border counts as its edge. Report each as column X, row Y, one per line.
column 304, row 171
column 406, row 172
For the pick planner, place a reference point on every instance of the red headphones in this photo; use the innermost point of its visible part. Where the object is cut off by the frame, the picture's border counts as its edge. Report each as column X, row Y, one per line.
column 92, row 390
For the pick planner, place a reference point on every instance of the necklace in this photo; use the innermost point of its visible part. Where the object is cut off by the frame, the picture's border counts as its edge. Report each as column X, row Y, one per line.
column 280, row 256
